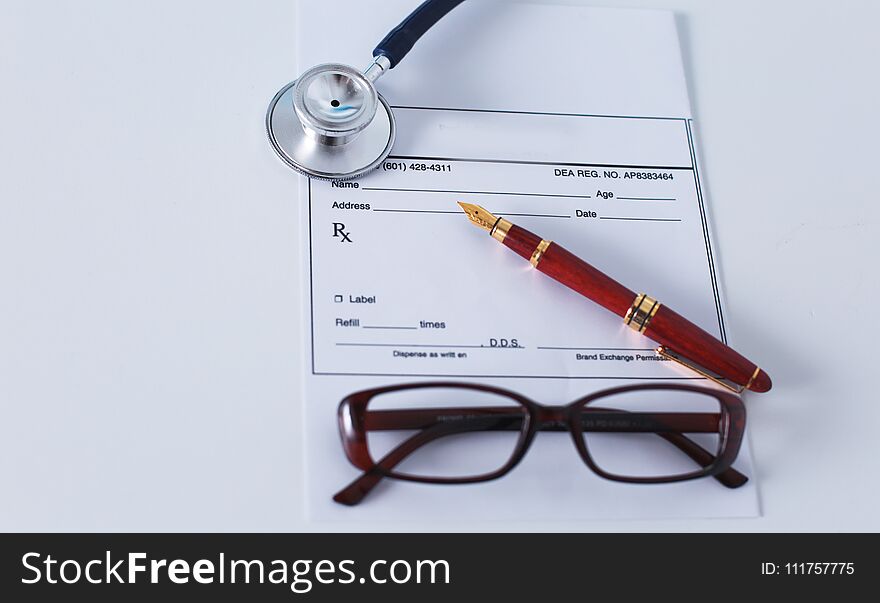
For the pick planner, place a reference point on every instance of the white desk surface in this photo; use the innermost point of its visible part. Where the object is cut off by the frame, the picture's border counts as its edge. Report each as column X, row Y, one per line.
column 149, row 310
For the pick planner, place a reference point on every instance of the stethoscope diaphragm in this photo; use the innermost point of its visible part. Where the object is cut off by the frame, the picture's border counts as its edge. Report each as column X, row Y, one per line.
column 331, row 123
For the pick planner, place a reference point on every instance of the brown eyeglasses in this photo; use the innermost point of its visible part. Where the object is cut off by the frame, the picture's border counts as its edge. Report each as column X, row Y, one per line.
column 460, row 433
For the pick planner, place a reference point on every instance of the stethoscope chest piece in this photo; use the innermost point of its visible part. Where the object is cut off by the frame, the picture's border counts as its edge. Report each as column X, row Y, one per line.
column 331, row 123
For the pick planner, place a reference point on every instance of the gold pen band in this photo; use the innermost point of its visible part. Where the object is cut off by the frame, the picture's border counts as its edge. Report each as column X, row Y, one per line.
column 539, row 252
column 751, row 380
column 500, row 229
column 641, row 312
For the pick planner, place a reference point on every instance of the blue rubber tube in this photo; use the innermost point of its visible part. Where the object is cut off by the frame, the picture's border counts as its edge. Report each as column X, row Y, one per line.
column 401, row 39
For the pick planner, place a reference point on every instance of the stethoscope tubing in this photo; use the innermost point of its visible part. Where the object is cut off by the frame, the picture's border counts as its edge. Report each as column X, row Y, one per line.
column 401, row 39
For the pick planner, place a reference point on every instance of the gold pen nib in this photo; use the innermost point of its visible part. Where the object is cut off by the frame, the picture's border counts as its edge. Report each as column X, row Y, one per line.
column 497, row 227
column 479, row 216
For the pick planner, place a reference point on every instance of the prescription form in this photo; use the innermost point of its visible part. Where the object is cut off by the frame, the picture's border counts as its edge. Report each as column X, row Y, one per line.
column 589, row 143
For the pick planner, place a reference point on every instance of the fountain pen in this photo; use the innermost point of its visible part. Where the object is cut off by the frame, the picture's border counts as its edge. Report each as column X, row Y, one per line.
column 679, row 339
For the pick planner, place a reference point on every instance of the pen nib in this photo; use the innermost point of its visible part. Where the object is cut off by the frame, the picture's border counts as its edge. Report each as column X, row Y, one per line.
column 479, row 216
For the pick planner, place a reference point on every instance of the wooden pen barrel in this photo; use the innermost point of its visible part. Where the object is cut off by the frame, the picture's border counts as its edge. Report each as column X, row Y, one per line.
column 562, row 265
column 657, row 322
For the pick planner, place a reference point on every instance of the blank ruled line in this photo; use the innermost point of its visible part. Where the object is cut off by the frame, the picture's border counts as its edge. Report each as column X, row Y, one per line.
column 535, row 215
column 518, row 376
column 389, row 327
column 433, row 190
column 646, row 199
column 459, row 213
column 424, row 345
column 549, row 114
column 419, row 211
column 641, row 219
column 596, row 349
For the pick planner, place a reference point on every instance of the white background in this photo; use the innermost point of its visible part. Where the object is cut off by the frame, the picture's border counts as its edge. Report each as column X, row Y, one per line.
column 149, row 301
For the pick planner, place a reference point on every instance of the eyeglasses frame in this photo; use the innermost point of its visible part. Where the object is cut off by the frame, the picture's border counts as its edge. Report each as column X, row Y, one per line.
column 353, row 408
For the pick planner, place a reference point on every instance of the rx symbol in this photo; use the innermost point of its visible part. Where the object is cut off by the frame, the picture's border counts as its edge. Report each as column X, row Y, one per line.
column 339, row 233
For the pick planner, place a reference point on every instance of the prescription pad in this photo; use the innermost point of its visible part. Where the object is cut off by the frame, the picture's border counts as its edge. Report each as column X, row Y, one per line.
column 399, row 287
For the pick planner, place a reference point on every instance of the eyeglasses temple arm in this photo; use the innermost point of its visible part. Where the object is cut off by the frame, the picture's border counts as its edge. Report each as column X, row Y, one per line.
column 594, row 419
column 666, row 425
column 730, row 477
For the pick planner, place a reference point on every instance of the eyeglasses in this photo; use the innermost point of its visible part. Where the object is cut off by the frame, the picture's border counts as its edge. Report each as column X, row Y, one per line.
column 460, row 433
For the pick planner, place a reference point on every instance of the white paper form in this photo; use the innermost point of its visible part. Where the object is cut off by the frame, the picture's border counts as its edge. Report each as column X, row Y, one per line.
column 588, row 143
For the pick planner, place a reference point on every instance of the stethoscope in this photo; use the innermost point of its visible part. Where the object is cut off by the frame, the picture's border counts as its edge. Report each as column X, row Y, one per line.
column 331, row 123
